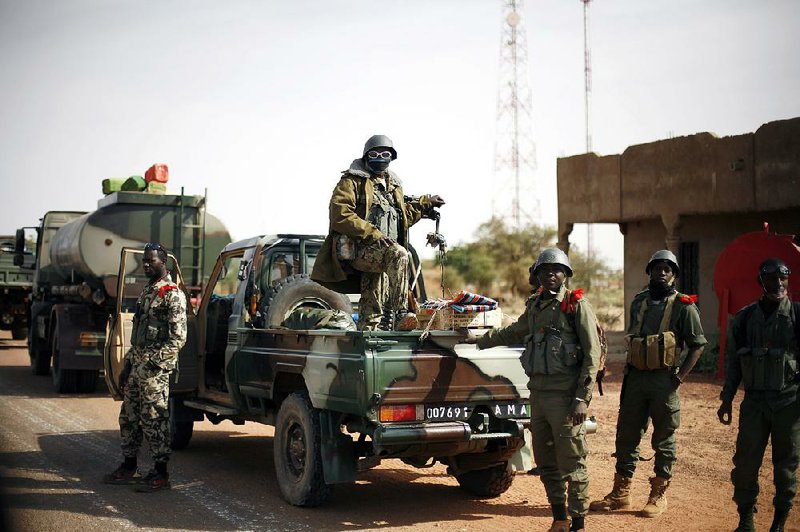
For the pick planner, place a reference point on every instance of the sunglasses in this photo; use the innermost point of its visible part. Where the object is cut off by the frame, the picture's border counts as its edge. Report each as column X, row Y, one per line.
column 772, row 270
column 372, row 154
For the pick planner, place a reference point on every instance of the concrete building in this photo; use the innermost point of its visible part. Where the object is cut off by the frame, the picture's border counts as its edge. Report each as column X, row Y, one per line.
column 692, row 195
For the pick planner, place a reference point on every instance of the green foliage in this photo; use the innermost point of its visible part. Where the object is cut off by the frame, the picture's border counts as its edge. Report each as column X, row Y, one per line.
column 497, row 261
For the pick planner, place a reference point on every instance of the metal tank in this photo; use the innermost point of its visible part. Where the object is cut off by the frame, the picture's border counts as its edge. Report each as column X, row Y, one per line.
column 87, row 249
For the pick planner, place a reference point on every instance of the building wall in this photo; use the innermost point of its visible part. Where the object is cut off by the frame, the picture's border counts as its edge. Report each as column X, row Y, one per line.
column 712, row 233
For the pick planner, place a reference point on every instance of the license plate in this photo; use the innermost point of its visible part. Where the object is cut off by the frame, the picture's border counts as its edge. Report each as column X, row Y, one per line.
column 462, row 412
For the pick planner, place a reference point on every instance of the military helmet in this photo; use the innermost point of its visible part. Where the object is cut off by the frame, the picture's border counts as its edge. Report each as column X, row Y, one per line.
column 553, row 256
column 772, row 266
column 380, row 141
column 666, row 256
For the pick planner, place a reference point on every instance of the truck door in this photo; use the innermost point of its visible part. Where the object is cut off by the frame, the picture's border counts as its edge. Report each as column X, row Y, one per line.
column 130, row 282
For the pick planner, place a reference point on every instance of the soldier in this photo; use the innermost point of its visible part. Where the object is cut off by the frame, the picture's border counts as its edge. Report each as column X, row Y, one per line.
column 662, row 322
column 562, row 352
column 369, row 221
column 763, row 353
column 158, row 333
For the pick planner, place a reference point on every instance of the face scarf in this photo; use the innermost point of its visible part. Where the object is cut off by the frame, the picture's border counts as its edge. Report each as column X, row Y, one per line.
column 659, row 290
column 377, row 165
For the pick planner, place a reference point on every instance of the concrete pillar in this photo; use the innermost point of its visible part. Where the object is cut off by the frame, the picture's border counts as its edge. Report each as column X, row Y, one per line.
column 672, row 224
column 563, row 237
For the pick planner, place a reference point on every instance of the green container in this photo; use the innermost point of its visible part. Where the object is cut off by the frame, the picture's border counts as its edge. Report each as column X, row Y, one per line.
column 134, row 183
column 112, row 184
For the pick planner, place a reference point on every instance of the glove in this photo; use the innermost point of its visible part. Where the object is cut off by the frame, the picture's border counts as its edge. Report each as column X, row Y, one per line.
column 436, row 201
column 125, row 374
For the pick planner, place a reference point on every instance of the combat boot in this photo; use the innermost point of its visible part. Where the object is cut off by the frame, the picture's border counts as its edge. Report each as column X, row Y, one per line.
column 618, row 499
column 657, row 501
column 405, row 321
column 745, row 520
column 779, row 520
column 561, row 525
column 123, row 475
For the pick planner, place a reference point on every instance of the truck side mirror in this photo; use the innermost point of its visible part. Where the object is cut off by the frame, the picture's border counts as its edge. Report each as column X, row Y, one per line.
column 19, row 247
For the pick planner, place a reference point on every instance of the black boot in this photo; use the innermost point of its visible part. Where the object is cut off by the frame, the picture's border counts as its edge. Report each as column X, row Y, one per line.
column 779, row 520
column 745, row 520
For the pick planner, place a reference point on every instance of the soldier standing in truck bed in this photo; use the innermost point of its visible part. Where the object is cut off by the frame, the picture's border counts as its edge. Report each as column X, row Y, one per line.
column 158, row 333
column 365, row 248
column 662, row 322
column 561, row 357
column 763, row 353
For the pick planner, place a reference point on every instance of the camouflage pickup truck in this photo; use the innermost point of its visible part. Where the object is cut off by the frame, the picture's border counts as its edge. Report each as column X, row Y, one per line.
column 340, row 401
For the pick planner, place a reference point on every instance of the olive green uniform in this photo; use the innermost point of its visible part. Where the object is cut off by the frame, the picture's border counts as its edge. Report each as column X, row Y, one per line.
column 762, row 354
column 158, row 333
column 650, row 393
column 561, row 356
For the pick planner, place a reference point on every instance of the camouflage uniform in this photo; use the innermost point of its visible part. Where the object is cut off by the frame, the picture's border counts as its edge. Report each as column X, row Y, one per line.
column 365, row 207
column 561, row 357
column 650, row 393
column 763, row 356
column 159, row 331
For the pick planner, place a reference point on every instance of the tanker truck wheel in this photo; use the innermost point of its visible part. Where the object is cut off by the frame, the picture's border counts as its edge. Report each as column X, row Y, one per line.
column 489, row 482
column 40, row 357
column 64, row 380
column 297, row 453
column 299, row 291
column 19, row 332
column 86, row 381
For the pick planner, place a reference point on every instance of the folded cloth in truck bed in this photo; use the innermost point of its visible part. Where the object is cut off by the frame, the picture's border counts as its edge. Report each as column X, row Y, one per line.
column 464, row 302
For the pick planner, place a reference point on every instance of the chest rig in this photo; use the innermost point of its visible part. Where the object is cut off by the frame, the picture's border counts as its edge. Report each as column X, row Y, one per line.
column 768, row 352
column 653, row 351
column 553, row 347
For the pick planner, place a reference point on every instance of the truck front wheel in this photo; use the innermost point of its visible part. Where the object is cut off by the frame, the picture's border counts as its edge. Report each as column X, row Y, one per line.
column 489, row 482
column 298, row 460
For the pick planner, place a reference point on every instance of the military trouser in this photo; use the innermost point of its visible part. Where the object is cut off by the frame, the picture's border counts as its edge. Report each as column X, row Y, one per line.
column 559, row 449
column 145, row 412
column 384, row 281
column 757, row 424
column 648, row 394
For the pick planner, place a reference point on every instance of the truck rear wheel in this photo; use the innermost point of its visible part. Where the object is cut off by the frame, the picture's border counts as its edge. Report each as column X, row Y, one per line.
column 298, row 460
column 489, row 482
column 299, row 291
column 19, row 332
column 64, row 380
column 87, row 381
column 40, row 357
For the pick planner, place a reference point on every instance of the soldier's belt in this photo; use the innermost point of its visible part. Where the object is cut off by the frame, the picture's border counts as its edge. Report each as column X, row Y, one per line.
column 651, row 352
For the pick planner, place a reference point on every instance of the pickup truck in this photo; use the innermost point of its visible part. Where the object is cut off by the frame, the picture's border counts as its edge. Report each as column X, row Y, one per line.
column 340, row 401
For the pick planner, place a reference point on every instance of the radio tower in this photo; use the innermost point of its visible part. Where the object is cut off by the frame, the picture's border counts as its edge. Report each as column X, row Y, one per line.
column 513, row 195
column 587, row 81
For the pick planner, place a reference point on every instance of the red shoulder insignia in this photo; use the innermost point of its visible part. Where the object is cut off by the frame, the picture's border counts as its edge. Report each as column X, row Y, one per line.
column 572, row 297
column 688, row 299
column 166, row 288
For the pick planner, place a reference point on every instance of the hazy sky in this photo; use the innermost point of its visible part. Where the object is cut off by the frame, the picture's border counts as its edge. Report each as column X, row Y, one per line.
column 265, row 102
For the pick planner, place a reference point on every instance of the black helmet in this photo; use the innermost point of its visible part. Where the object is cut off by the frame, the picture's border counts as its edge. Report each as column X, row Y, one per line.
column 771, row 266
column 666, row 256
column 553, row 256
column 380, row 141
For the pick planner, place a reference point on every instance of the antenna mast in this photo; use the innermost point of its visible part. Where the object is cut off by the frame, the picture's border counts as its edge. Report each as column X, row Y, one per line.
column 515, row 150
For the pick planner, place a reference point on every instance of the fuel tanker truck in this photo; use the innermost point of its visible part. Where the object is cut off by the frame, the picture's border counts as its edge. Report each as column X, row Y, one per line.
column 77, row 265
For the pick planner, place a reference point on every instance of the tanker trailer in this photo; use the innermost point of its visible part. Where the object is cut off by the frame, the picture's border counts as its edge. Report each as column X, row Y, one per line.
column 75, row 278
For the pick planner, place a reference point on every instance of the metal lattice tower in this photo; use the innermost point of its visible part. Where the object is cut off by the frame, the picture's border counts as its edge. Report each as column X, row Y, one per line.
column 514, row 196
column 587, row 80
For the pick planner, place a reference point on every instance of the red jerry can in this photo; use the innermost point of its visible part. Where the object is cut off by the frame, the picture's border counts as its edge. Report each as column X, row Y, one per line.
column 736, row 275
column 158, row 173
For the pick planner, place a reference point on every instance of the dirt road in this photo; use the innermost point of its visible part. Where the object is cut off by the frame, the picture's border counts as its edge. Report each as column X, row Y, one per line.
column 55, row 448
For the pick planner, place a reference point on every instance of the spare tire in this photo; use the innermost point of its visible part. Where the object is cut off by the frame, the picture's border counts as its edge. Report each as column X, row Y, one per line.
column 297, row 291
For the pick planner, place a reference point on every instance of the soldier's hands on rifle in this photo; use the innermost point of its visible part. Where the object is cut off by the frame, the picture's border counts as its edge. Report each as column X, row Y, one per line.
column 385, row 241
column 725, row 412
column 125, row 374
column 579, row 409
column 436, row 201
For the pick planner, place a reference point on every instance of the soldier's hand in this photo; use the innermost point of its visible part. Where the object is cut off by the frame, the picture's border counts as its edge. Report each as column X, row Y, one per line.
column 436, row 201
column 579, row 410
column 725, row 412
column 125, row 374
column 385, row 242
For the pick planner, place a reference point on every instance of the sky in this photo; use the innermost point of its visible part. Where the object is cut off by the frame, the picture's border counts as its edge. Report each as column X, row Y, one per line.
column 263, row 103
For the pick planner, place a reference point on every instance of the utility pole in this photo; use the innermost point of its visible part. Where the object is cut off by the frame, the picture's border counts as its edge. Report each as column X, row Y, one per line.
column 514, row 196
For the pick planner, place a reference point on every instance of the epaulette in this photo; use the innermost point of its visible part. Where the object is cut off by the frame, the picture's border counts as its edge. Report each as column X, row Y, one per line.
column 571, row 299
column 163, row 289
column 687, row 299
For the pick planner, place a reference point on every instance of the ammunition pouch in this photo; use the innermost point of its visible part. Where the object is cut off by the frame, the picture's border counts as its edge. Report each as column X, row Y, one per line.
column 546, row 353
column 766, row 368
column 654, row 351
